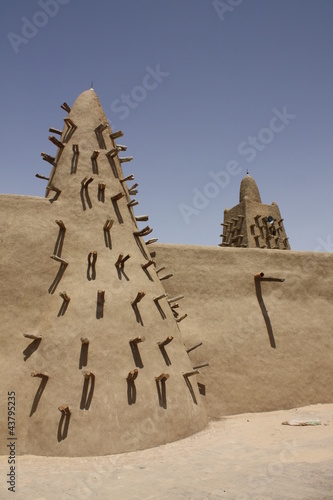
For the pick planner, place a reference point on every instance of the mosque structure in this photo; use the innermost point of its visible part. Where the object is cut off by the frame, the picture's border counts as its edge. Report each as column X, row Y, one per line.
column 112, row 342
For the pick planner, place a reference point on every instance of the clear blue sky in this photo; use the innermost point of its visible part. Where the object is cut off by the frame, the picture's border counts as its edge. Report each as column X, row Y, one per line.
column 224, row 71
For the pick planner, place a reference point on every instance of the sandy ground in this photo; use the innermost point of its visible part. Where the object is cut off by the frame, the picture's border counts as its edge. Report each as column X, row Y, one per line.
column 248, row 456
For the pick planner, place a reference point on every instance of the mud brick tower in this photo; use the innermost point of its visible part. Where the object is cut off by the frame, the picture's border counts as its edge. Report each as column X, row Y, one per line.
column 104, row 368
column 252, row 224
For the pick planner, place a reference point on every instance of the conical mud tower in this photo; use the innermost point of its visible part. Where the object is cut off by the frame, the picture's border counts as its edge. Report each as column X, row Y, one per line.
column 105, row 368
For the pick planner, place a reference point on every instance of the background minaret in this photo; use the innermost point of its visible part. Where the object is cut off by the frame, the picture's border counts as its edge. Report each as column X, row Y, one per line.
column 251, row 223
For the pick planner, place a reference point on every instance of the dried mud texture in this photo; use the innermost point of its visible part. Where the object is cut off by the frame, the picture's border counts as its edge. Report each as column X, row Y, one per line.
column 246, row 372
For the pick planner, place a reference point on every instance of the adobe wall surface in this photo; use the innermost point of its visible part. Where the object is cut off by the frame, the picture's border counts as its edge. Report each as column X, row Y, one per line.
column 115, row 420
column 247, row 374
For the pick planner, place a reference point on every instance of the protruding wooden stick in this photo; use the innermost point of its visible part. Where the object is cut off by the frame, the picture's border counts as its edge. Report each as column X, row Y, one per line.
column 59, row 259
column 85, row 182
column 256, row 217
column 101, row 127
column 128, row 178
column 174, row 299
column 137, row 340
column 117, row 197
column 113, row 152
column 202, row 365
column 88, row 375
column 167, row 276
column 132, row 375
column 133, row 187
column 165, row 342
column 108, row 224
column 95, row 154
column 121, row 147
column 141, row 218
column 193, row 347
column 92, row 258
column 51, row 187
column 64, row 409
column 160, row 297
column 61, row 224
column 160, row 269
column 55, row 131
column 189, row 374
column 40, row 374
column 152, row 240
column 143, row 232
column 32, row 336
column 101, row 187
column 132, row 203
column 147, row 264
column 75, row 148
column 65, row 107
column 69, row 123
column 39, row 176
column 121, row 260
column 116, row 134
column 259, row 275
column 163, row 376
column 101, row 296
column 138, row 298
column 48, row 158
column 64, row 296
column 84, row 340
column 56, row 142
column 125, row 159
column 181, row 318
